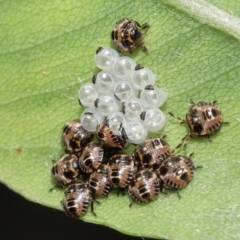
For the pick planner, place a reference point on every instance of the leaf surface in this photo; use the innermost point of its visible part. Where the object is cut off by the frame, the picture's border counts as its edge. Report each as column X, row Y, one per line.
column 46, row 54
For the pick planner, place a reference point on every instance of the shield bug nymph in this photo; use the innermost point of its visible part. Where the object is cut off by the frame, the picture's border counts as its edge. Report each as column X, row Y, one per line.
column 120, row 168
column 98, row 182
column 144, row 186
column 76, row 199
column 151, row 153
column 66, row 170
column 176, row 172
column 91, row 157
column 203, row 119
column 108, row 138
column 75, row 137
column 127, row 34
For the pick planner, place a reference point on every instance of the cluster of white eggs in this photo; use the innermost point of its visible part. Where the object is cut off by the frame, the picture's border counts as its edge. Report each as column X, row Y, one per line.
column 115, row 95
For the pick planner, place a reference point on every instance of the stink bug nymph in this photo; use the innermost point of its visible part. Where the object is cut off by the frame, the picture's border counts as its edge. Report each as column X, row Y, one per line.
column 76, row 199
column 144, row 186
column 108, row 138
column 127, row 34
column 99, row 183
column 91, row 157
column 120, row 168
column 75, row 137
column 151, row 153
column 66, row 170
column 176, row 172
column 203, row 119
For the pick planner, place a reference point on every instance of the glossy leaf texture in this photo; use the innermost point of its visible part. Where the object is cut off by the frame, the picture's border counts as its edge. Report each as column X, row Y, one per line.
column 46, row 54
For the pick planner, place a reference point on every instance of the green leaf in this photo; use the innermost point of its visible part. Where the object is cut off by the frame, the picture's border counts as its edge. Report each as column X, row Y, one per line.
column 46, row 54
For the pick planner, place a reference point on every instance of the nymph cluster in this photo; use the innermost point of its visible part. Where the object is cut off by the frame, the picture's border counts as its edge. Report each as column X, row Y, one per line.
column 93, row 165
column 121, row 107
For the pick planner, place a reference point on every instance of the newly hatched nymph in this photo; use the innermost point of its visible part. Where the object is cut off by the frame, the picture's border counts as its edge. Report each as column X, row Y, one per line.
column 127, row 34
column 76, row 199
column 120, row 169
column 91, row 157
column 108, row 138
column 75, row 137
column 99, row 183
column 151, row 153
column 144, row 186
column 176, row 172
column 66, row 170
column 203, row 119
